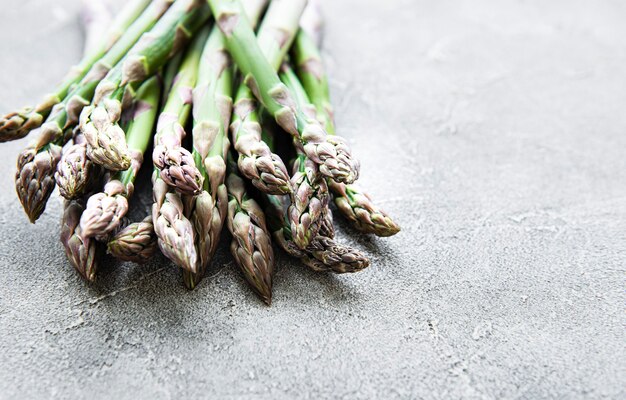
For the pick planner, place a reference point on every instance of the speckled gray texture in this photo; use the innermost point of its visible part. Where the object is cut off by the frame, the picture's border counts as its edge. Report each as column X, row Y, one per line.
column 494, row 131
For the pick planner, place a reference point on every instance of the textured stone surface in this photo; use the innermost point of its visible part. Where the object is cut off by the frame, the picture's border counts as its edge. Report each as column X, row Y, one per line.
column 493, row 132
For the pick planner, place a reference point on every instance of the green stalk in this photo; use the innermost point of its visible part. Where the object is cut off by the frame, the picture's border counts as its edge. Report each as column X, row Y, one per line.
column 251, row 245
column 308, row 62
column 19, row 124
column 331, row 153
column 309, row 210
column 122, row 24
column 175, row 163
column 175, row 232
column 353, row 203
column 256, row 162
column 105, row 210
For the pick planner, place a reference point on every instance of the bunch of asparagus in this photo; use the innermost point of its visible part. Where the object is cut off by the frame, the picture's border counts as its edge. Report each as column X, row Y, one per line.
column 241, row 132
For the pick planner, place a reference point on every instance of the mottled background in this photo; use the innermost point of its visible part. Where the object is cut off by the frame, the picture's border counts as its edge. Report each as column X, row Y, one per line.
column 494, row 131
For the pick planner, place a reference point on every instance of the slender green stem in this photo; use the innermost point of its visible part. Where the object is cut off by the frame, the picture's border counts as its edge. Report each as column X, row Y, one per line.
column 140, row 128
column 308, row 61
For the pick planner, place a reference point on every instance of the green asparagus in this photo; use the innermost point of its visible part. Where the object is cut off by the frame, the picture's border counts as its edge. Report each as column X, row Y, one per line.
column 175, row 164
column 352, row 202
column 251, row 245
column 106, row 209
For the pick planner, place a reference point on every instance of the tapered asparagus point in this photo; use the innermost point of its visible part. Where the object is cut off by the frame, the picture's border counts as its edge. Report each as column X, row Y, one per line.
column 136, row 243
column 208, row 218
column 177, row 168
column 331, row 153
column 191, row 280
column 338, row 258
column 256, row 161
column 17, row 125
column 106, row 140
column 175, row 231
column 251, row 246
column 358, row 208
column 34, row 180
column 104, row 211
column 310, row 202
column 325, row 255
column 75, row 170
column 80, row 251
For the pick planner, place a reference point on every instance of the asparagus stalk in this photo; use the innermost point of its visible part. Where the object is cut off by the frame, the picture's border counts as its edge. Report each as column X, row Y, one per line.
column 322, row 254
column 99, row 122
column 16, row 125
column 75, row 170
column 256, row 162
column 309, row 210
column 174, row 230
column 212, row 99
column 105, row 210
column 174, row 163
column 80, row 251
column 251, row 245
column 331, row 153
column 353, row 203
column 136, row 243
column 37, row 164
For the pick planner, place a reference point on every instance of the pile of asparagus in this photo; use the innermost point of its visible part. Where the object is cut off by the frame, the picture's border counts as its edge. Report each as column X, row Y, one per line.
column 224, row 108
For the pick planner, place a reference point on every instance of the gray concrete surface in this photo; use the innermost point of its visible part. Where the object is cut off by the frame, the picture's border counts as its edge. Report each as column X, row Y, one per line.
column 492, row 130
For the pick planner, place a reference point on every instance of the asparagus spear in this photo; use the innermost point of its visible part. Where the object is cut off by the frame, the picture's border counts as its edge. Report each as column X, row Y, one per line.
column 136, row 243
column 256, row 162
column 331, row 153
column 99, row 122
column 212, row 99
column 37, row 164
column 173, row 228
column 106, row 209
column 309, row 207
column 174, row 231
column 251, row 245
column 75, row 170
column 322, row 254
column 16, row 125
column 174, row 163
column 353, row 203
column 80, row 251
